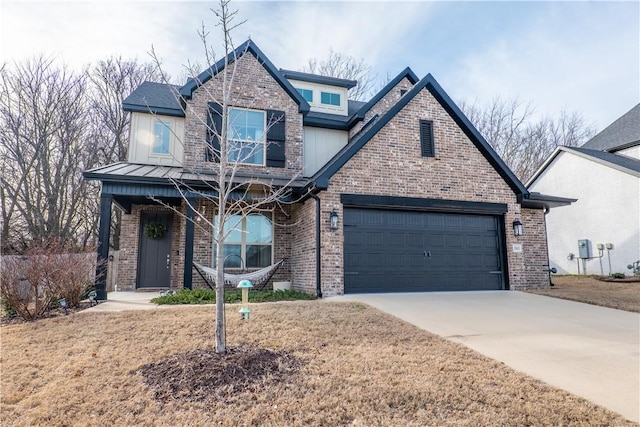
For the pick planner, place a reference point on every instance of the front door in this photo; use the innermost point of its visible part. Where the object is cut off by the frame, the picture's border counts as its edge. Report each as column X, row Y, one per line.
column 154, row 257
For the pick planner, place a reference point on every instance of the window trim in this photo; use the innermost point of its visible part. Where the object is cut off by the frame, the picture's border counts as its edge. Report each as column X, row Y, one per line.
column 168, row 124
column 301, row 89
column 331, row 95
column 269, row 213
column 263, row 142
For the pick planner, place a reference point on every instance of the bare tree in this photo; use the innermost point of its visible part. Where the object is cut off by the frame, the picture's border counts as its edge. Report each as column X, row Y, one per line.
column 43, row 130
column 236, row 194
column 522, row 141
column 111, row 81
column 345, row 67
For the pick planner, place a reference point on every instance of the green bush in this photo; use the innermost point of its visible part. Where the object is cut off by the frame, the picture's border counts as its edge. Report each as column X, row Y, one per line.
column 207, row 296
column 618, row 275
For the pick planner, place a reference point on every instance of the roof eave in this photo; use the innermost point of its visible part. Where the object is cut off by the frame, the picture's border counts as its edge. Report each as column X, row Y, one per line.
column 187, row 90
column 135, row 108
column 429, row 82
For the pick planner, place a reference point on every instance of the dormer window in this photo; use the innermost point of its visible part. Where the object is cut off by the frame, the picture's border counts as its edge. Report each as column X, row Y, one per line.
column 307, row 94
column 329, row 98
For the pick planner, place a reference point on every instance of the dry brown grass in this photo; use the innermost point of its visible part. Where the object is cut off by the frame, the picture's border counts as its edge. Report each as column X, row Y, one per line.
column 360, row 367
column 620, row 295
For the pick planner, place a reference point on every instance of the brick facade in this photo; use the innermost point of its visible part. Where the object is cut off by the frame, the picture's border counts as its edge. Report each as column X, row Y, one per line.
column 390, row 164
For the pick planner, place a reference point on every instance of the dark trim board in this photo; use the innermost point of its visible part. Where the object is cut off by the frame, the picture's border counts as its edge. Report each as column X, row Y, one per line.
column 411, row 203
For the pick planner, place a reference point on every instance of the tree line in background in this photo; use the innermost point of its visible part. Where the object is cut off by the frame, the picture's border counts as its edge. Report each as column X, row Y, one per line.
column 55, row 123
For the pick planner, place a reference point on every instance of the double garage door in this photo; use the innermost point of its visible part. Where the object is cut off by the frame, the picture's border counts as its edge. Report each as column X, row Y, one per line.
column 410, row 251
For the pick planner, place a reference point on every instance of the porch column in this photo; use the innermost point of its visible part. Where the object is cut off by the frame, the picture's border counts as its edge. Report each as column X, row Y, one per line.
column 104, row 229
column 188, row 244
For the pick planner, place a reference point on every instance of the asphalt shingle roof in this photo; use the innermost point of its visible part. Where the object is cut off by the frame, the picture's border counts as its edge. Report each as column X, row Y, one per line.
column 623, row 132
column 155, row 95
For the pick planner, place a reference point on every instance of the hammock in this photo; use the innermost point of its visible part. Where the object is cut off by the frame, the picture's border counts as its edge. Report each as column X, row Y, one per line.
column 259, row 278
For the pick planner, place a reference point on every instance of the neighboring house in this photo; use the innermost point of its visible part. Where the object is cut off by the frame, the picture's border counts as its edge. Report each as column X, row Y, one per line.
column 423, row 202
column 604, row 175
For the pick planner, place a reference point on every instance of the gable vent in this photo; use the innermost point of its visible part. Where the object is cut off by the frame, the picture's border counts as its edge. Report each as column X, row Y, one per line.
column 426, row 138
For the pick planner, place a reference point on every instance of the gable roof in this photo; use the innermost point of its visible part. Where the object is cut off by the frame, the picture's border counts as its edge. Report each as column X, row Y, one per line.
column 315, row 78
column 615, row 161
column 321, row 178
column 623, row 133
column 158, row 98
column 247, row 47
column 406, row 73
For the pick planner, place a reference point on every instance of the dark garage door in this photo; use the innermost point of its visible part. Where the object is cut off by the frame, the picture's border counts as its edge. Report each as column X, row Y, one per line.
column 400, row 251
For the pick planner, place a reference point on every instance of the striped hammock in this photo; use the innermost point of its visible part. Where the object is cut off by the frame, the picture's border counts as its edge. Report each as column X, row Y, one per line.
column 259, row 278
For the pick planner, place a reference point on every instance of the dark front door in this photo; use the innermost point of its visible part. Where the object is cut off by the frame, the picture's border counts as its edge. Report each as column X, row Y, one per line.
column 154, row 258
column 407, row 251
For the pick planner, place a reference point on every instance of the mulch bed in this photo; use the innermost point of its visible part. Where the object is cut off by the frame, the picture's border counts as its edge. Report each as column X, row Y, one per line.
column 203, row 374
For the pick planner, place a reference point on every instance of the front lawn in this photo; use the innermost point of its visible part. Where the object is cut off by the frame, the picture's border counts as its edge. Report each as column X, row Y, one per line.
column 619, row 295
column 351, row 365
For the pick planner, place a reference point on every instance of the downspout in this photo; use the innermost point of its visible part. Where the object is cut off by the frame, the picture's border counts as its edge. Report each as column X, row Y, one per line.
column 546, row 240
column 318, row 265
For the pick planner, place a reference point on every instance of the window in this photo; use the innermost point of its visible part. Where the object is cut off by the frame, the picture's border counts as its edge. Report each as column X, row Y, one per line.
column 329, row 98
column 251, row 238
column 307, row 94
column 427, row 146
column 246, row 136
column 162, row 137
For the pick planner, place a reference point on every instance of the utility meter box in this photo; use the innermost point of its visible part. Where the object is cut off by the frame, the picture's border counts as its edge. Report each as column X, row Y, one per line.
column 584, row 248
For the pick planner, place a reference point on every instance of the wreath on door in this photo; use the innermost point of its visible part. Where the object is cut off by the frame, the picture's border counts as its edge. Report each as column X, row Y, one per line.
column 155, row 230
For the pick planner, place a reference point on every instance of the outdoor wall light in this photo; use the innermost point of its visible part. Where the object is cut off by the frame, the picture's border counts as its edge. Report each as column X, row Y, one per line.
column 333, row 219
column 517, row 228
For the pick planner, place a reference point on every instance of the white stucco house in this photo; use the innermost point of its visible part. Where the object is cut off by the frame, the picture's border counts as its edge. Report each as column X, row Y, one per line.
column 604, row 176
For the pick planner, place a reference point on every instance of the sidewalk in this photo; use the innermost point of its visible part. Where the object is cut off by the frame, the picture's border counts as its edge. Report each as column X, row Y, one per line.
column 122, row 301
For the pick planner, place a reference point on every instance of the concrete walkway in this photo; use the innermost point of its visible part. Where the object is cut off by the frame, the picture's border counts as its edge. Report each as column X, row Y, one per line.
column 590, row 351
column 121, row 301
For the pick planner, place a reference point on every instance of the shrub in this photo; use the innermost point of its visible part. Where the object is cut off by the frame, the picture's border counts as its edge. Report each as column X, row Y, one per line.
column 618, row 275
column 30, row 284
column 207, row 296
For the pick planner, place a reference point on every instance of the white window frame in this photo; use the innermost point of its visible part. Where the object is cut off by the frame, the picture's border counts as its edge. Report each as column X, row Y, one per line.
column 168, row 124
column 248, row 141
column 269, row 213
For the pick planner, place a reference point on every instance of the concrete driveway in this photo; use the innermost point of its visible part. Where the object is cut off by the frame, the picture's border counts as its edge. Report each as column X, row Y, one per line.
column 590, row 351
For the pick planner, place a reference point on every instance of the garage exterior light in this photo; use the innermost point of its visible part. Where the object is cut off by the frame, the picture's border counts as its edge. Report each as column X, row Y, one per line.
column 333, row 220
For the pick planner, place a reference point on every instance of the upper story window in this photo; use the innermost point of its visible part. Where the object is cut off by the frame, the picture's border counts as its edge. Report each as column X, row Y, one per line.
column 329, row 98
column 251, row 141
column 162, row 137
column 307, row 94
column 246, row 136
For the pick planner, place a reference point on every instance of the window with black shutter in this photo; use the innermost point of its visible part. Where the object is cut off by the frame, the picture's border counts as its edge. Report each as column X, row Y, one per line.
column 426, row 138
column 276, row 137
column 214, row 128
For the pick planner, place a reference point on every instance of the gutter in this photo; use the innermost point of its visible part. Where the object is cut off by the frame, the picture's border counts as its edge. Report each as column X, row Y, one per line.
column 315, row 197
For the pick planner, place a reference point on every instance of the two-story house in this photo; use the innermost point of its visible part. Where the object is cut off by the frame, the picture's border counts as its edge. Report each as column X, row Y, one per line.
column 400, row 193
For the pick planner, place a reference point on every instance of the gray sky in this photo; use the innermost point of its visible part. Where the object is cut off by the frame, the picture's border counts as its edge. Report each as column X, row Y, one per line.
column 581, row 56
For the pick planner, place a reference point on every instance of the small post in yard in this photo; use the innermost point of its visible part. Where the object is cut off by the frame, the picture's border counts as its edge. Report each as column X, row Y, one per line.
column 245, row 285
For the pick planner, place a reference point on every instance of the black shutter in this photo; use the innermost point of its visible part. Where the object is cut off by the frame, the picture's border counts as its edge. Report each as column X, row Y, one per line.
column 214, row 128
column 276, row 139
column 426, row 138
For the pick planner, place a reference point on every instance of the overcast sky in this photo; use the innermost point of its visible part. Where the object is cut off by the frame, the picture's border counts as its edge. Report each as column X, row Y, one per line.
column 581, row 56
